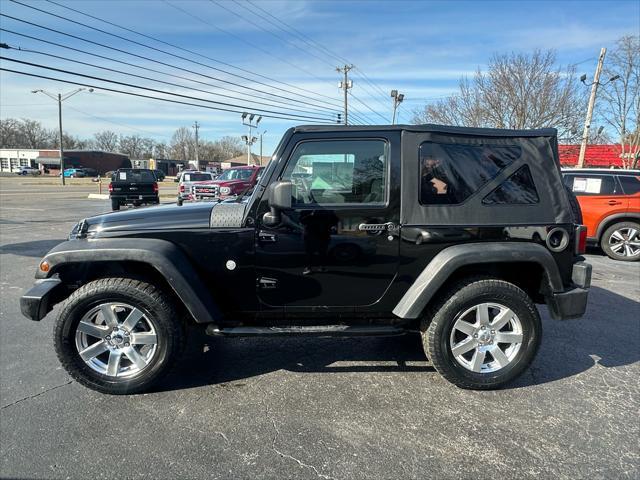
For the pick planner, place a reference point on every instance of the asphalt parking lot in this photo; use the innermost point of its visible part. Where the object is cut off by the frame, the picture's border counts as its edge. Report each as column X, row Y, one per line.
column 314, row 408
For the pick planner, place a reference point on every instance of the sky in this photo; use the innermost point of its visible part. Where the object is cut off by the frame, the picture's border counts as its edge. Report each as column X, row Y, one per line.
column 239, row 49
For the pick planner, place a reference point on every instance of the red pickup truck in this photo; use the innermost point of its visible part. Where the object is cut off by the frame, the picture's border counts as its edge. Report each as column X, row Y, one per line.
column 231, row 182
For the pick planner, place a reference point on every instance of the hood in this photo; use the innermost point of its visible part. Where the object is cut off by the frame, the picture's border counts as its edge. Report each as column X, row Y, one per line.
column 161, row 217
column 223, row 183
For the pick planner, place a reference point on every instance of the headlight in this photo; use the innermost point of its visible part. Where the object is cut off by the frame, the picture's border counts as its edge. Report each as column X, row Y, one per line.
column 225, row 190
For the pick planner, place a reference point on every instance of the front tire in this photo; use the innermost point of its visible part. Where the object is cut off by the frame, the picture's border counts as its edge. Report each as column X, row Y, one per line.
column 621, row 241
column 118, row 335
column 483, row 334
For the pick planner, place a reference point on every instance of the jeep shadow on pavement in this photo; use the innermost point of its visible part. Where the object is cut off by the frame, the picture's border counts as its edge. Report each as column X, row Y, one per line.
column 452, row 232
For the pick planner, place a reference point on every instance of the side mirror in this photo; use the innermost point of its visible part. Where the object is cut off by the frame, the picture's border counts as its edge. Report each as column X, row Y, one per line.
column 279, row 196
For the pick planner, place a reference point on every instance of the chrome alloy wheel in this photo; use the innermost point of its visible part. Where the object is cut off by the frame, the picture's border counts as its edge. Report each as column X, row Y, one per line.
column 116, row 339
column 625, row 242
column 486, row 338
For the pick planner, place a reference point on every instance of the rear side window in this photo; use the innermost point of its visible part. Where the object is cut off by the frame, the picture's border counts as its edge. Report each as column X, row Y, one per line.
column 592, row 184
column 451, row 173
column 630, row 184
column 518, row 189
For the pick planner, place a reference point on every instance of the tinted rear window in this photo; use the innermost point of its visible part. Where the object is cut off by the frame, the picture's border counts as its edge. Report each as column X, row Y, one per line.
column 630, row 184
column 196, row 177
column 136, row 176
column 450, row 173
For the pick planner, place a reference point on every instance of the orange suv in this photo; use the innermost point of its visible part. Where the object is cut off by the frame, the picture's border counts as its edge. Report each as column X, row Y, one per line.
column 610, row 204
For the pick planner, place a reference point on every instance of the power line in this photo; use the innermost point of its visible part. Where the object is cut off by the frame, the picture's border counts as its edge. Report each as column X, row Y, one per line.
column 118, row 123
column 124, row 92
column 182, row 48
column 257, row 25
column 310, row 42
column 252, row 45
column 151, row 59
column 367, row 106
column 152, row 79
column 241, row 107
column 300, row 35
column 274, row 102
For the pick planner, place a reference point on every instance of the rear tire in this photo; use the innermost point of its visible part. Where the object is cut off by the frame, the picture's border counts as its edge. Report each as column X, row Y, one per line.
column 507, row 330
column 126, row 330
column 614, row 238
column 115, row 205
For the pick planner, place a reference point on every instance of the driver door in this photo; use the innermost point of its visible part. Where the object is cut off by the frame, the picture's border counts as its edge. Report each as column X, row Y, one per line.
column 320, row 258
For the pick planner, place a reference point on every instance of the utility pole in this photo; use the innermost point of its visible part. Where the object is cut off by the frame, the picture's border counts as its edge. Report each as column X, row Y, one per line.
column 397, row 100
column 196, row 126
column 345, row 85
column 61, row 97
column 592, row 101
column 247, row 121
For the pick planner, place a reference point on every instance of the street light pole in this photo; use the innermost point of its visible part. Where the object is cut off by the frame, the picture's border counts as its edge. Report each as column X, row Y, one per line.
column 247, row 121
column 397, row 100
column 60, row 98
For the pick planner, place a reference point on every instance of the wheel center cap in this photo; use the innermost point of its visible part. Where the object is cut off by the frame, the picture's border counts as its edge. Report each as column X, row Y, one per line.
column 117, row 339
column 484, row 337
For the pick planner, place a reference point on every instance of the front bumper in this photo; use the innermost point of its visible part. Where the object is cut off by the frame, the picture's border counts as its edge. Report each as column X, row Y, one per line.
column 572, row 303
column 35, row 303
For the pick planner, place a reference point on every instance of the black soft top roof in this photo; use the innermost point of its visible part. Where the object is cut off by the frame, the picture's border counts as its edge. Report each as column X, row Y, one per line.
column 429, row 127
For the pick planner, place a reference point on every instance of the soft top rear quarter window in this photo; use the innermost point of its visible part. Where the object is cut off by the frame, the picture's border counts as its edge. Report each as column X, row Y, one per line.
column 451, row 172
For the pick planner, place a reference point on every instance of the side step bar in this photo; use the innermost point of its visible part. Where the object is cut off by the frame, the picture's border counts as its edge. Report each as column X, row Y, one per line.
column 313, row 331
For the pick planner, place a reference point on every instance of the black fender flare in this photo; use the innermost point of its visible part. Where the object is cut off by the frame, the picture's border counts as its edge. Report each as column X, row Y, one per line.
column 445, row 263
column 164, row 256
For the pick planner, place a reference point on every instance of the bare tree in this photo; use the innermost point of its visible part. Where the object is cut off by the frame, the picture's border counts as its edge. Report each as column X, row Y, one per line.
column 10, row 133
column 516, row 91
column 34, row 134
column 183, row 144
column 136, row 147
column 621, row 97
column 106, row 141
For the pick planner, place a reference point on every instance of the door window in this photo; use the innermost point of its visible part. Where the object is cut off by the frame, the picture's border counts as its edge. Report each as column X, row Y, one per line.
column 339, row 172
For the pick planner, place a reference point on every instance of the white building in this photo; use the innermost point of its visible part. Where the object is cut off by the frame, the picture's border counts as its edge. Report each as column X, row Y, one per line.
column 12, row 160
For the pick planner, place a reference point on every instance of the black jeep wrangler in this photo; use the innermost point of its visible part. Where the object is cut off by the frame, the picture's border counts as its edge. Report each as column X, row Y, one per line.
column 451, row 232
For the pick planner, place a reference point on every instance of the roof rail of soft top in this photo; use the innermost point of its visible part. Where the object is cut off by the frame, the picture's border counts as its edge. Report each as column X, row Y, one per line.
column 490, row 132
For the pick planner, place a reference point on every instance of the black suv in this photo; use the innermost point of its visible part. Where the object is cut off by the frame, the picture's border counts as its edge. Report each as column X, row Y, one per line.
column 450, row 232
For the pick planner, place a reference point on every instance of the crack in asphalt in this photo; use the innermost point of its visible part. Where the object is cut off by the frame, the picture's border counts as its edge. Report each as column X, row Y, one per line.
column 275, row 439
column 31, row 397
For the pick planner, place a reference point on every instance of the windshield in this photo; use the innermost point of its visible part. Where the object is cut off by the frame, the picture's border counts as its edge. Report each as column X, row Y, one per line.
column 236, row 174
column 196, row 177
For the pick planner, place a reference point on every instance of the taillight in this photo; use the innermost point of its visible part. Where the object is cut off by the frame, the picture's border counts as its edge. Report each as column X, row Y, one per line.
column 155, row 187
column 581, row 239
column 110, row 187
column 181, row 188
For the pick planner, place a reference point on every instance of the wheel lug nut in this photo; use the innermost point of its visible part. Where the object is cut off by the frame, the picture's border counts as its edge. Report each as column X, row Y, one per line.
column 475, row 335
column 126, row 344
column 108, row 337
column 493, row 332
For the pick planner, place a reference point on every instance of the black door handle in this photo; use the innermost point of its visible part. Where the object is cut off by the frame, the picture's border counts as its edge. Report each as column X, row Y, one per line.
column 267, row 237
